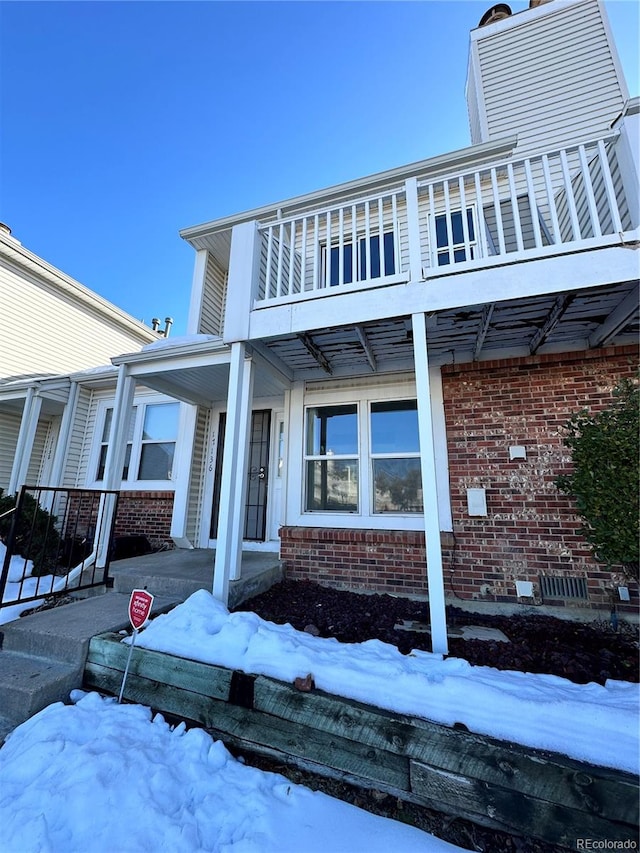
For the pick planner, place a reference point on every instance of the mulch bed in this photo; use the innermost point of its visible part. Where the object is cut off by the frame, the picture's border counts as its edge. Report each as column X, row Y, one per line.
column 577, row 651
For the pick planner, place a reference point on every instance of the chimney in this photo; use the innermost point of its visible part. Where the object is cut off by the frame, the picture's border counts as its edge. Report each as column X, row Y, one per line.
column 168, row 322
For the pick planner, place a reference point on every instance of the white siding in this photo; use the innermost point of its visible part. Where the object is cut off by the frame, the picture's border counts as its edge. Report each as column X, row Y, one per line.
column 42, row 449
column 45, row 331
column 552, row 79
column 214, row 299
column 77, row 440
column 198, row 474
column 9, row 429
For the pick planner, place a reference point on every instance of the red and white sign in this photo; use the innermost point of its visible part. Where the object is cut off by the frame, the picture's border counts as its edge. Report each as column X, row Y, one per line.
column 139, row 607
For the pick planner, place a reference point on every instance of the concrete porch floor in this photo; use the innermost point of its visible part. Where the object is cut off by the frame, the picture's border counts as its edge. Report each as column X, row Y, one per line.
column 181, row 572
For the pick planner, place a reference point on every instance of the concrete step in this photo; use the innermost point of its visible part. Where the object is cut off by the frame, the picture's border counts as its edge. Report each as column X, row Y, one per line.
column 175, row 587
column 63, row 633
column 31, row 683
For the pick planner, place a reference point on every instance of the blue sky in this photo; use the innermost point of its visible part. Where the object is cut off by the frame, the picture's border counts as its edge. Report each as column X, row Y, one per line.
column 123, row 122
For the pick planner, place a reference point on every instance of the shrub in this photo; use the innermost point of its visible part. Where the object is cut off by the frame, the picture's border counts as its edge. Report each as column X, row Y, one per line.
column 605, row 477
column 37, row 538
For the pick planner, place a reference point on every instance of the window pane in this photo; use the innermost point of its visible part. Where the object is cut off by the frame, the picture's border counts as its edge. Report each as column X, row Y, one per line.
column 332, row 430
column 161, row 422
column 332, row 485
column 397, row 485
column 347, row 272
column 156, row 461
column 108, row 416
column 103, row 459
column 394, row 427
column 389, row 256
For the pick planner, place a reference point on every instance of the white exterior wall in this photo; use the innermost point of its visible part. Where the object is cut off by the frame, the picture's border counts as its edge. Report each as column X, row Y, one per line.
column 195, row 505
column 549, row 74
column 9, row 429
column 78, row 439
column 214, row 299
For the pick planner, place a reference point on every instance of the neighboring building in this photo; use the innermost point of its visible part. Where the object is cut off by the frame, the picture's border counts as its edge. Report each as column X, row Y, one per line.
column 377, row 375
column 54, row 398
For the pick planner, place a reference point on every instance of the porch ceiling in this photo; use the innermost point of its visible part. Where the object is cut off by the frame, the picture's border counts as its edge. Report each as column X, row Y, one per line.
column 551, row 323
column 202, row 384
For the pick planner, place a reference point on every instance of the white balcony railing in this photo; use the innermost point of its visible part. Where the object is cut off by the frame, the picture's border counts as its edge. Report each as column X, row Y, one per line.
column 497, row 213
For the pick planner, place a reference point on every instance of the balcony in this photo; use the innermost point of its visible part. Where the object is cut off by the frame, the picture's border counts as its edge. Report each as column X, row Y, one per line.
column 424, row 227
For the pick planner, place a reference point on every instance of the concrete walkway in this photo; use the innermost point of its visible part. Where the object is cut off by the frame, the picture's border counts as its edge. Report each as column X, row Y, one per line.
column 42, row 655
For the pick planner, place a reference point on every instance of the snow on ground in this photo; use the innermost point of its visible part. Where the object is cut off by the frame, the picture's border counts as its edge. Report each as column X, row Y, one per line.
column 591, row 722
column 98, row 777
column 20, row 583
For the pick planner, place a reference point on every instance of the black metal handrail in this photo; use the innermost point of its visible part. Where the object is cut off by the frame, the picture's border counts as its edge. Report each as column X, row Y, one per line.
column 59, row 541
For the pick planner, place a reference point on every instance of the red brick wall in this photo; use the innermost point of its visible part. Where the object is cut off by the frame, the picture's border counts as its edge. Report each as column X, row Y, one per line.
column 390, row 561
column 146, row 513
column 531, row 528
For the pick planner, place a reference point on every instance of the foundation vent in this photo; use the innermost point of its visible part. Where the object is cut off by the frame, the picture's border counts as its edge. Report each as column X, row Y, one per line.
column 563, row 588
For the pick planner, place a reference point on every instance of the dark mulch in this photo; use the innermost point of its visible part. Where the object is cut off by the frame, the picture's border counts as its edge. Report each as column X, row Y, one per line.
column 574, row 650
column 580, row 652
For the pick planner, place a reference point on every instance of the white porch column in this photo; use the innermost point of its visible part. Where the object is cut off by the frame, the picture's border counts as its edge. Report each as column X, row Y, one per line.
column 182, row 466
column 435, row 580
column 244, row 269
column 114, row 461
column 26, row 437
column 234, row 466
column 64, row 434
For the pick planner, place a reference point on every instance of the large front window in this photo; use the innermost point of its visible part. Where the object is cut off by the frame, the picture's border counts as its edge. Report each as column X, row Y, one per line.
column 370, row 467
column 151, row 443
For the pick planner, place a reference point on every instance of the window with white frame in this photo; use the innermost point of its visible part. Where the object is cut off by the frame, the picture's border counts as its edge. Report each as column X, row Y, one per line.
column 342, row 451
column 454, row 242
column 370, row 262
column 331, row 459
column 395, row 457
column 151, row 443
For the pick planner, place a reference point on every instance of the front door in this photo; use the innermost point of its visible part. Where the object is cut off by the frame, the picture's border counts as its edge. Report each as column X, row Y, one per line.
column 255, row 511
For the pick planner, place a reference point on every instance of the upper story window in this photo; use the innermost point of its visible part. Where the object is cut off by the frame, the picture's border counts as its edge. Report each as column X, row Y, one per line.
column 151, row 444
column 368, row 465
column 453, row 245
column 371, row 263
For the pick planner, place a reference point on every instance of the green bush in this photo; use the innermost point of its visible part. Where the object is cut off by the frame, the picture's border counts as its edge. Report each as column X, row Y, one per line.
column 605, row 477
column 37, row 538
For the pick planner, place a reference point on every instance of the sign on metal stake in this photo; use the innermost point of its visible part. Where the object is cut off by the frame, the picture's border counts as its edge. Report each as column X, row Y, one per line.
column 139, row 609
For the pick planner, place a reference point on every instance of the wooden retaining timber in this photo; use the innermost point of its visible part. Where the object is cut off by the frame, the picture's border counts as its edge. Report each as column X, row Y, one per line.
column 498, row 784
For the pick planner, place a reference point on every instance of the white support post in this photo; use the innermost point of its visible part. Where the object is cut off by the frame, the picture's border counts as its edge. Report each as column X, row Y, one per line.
column 234, row 464
column 197, row 291
column 244, row 269
column 64, row 434
column 413, row 230
column 114, row 461
column 244, row 430
column 182, row 465
column 26, row 437
column 435, row 580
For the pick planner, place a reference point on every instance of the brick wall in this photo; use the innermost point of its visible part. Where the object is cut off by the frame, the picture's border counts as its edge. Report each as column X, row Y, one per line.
column 390, row 561
column 146, row 513
column 531, row 528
